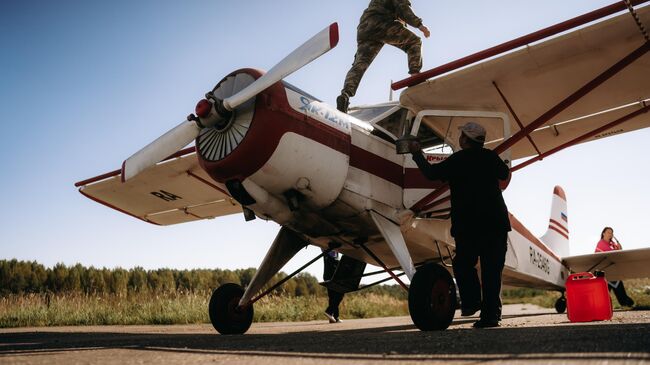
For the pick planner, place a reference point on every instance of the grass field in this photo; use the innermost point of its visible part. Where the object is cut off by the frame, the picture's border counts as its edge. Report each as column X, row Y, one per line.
column 59, row 310
column 69, row 310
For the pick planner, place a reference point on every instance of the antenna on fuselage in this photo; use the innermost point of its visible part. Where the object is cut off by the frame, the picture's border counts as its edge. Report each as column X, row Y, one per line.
column 390, row 93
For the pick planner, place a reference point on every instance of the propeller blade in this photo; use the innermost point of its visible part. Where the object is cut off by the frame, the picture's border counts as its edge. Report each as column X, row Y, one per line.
column 322, row 42
column 165, row 145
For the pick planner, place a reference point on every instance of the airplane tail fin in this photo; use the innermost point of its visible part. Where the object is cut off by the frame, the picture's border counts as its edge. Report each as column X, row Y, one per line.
column 557, row 235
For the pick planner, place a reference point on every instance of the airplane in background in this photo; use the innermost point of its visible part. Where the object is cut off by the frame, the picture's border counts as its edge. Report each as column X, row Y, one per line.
column 267, row 149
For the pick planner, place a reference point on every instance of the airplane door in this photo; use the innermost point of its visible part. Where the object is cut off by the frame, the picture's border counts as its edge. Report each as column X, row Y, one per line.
column 438, row 133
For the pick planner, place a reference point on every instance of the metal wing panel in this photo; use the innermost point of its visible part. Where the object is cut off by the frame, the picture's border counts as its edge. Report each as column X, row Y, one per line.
column 617, row 265
column 536, row 78
column 174, row 191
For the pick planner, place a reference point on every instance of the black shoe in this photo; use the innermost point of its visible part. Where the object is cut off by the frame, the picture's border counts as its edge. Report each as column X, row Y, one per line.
column 342, row 103
column 466, row 312
column 486, row 323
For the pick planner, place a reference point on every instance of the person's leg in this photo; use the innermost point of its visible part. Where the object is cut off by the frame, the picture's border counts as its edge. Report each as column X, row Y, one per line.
column 493, row 257
column 366, row 52
column 332, row 306
column 464, row 265
column 402, row 38
column 621, row 294
column 336, row 300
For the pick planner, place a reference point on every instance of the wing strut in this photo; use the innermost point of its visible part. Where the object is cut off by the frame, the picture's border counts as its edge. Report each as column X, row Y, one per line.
column 637, row 20
column 425, row 203
column 618, row 121
column 516, row 43
column 512, row 111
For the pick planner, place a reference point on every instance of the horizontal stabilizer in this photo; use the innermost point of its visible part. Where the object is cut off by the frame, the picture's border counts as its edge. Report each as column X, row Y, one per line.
column 617, row 265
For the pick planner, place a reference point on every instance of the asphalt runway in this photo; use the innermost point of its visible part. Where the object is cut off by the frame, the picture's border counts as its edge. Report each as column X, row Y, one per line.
column 529, row 335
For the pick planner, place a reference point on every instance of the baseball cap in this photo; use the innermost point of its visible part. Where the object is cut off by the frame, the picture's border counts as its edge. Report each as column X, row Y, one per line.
column 473, row 131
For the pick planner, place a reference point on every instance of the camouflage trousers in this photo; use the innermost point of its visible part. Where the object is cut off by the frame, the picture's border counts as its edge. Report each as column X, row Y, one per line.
column 370, row 42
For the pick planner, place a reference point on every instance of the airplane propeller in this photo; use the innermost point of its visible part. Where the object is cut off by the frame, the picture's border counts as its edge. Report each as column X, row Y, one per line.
column 213, row 111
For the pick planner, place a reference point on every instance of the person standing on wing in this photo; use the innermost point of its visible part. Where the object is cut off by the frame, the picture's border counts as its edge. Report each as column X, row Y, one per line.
column 383, row 22
column 479, row 219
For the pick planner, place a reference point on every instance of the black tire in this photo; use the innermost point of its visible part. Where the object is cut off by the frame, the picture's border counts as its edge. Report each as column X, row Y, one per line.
column 432, row 298
column 225, row 315
column 560, row 305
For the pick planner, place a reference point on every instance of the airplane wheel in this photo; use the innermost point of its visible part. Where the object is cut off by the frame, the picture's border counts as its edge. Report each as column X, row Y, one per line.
column 225, row 315
column 432, row 298
column 560, row 305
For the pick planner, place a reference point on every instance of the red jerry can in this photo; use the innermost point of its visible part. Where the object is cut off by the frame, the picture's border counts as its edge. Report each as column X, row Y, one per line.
column 588, row 298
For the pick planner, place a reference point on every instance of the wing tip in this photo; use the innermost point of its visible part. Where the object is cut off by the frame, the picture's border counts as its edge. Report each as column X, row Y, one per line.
column 122, row 179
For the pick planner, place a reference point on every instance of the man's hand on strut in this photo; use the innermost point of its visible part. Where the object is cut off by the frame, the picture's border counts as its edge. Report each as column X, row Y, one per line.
column 423, row 28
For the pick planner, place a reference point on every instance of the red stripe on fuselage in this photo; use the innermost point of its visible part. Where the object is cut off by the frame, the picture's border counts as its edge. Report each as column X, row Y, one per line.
column 376, row 165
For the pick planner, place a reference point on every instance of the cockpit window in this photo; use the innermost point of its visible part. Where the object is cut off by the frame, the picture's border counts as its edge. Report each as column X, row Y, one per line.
column 370, row 113
column 431, row 142
column 388, row 120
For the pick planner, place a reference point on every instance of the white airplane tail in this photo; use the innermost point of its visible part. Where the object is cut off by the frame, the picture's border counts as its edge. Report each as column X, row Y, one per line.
column 557, row 236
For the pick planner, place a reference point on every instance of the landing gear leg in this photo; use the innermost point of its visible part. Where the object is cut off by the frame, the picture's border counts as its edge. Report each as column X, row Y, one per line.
column 231, row 307
column 560, row 304
column 432, row 298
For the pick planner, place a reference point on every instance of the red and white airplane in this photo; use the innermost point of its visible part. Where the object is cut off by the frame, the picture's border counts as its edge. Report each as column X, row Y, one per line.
column 270, row 150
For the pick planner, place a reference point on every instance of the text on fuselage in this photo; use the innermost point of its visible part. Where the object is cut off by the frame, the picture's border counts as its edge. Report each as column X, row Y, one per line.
column 540, row 261
column 313, row 108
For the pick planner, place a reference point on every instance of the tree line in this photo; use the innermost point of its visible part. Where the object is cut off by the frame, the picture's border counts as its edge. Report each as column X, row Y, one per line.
column 21, row 277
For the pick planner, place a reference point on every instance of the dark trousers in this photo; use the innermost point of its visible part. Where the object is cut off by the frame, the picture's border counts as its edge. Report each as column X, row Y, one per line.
column 335, row 299
column 491, row 249
column 619, row 292
column 329, row 268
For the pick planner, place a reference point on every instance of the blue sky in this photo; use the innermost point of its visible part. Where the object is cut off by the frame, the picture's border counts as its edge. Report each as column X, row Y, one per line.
column 85, row 84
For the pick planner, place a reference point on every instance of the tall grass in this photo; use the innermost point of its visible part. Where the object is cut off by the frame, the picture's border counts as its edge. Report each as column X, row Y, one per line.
column 191, row 308
column 78, row 309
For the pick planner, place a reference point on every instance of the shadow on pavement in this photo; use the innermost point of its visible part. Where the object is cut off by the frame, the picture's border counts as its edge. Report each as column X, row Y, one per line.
column 594, row 341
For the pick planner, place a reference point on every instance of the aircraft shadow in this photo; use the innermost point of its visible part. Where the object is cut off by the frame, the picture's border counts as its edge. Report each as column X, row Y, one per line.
column 600, row 341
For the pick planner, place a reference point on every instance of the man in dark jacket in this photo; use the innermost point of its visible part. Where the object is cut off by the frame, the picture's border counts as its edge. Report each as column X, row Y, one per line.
column 383, row 22
column 479, row 220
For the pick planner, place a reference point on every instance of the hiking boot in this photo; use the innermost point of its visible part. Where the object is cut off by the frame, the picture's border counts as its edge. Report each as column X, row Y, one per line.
column 342, row 103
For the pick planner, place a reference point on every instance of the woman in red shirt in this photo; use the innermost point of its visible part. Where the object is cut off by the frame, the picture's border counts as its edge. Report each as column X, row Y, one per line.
column 609, row 243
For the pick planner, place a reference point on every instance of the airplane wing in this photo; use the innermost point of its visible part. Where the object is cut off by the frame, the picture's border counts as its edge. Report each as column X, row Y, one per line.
column 176, row 190
column 534, row 79
column 617, row 265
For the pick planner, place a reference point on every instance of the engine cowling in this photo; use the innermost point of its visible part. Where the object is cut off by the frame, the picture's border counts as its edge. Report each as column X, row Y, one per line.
column 283, row 141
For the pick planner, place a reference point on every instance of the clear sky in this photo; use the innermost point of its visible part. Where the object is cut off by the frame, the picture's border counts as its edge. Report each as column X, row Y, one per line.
column 84, row 84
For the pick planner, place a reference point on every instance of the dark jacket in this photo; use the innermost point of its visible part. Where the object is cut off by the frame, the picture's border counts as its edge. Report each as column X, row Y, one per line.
column 473, row 174
column 382, row 13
